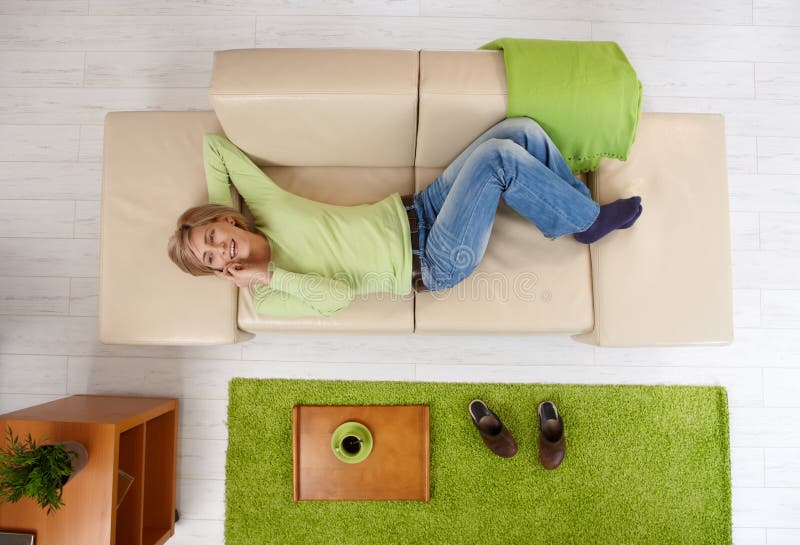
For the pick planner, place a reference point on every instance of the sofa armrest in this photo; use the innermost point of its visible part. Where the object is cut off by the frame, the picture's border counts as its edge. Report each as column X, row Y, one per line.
column 153, row 171
column 667, row 279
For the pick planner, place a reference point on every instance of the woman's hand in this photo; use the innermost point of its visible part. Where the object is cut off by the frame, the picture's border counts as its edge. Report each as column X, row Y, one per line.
column 245, row 275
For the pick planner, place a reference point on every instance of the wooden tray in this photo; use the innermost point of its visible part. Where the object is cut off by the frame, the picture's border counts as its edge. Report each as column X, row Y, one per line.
column 397, row 469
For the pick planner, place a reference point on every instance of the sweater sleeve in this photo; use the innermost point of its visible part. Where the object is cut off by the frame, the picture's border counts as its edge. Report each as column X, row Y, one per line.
column 217, row 177
column 225, row 164
column 296, row 294
column 279, row 303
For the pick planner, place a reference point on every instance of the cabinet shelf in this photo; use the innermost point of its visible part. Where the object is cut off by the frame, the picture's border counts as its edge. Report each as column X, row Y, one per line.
column 133, row 434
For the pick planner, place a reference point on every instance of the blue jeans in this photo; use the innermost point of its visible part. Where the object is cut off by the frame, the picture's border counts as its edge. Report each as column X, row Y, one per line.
column 515, row 159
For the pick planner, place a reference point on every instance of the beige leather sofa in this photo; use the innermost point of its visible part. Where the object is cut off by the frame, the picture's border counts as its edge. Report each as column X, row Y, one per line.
column 350, row 126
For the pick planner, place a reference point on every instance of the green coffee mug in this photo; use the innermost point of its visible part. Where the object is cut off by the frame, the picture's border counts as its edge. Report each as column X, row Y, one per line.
column 351, row 442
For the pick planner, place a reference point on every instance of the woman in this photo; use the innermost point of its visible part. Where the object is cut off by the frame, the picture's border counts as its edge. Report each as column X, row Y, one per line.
column 304, row 257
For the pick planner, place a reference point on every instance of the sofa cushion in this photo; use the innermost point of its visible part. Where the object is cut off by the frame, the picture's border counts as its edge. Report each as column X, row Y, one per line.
column 667, row 279
column 318, row 107
column 153, row 171
column 526, row 283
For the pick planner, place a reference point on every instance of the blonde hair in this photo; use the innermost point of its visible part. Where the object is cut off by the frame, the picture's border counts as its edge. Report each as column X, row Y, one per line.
column 178, row 247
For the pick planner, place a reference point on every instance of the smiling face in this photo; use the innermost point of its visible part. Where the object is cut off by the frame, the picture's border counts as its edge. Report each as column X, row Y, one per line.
column 218, row 243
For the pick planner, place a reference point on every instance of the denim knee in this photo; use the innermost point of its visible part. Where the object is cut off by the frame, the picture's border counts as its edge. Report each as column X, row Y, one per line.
column 499, row 150
column 518, row 124
column 497, row 146
column 523, row 125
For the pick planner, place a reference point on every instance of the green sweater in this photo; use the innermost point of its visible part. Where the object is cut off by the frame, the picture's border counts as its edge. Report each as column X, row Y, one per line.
column 322, row 254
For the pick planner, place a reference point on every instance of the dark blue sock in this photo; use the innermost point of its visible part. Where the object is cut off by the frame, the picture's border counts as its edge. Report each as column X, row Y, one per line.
column 631, row 222
column 619, row 214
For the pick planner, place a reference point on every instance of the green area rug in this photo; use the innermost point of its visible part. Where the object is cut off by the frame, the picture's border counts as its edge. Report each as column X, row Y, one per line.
column 644, row 464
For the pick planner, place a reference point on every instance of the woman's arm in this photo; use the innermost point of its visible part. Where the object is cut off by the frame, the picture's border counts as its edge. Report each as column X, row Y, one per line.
column 217, row 177
column 295, row 294
column 288, row 293
column 311, row 294
column 225, row 164
column 300, row 294
column 280, row 303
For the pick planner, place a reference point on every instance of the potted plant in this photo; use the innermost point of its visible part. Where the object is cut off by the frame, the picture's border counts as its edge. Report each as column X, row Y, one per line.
column 38, row 471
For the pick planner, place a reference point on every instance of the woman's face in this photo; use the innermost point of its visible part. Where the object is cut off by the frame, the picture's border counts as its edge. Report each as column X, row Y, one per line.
column 219, row 243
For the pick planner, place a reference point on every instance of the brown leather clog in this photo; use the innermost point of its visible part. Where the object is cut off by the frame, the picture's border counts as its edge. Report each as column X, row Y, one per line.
column 494, row 434
column 552, row 445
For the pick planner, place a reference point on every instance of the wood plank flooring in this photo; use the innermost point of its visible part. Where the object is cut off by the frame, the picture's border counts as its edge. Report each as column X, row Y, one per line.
column 66, row 63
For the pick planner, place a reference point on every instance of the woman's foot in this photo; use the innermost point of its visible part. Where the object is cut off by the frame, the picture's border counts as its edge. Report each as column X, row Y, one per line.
column 630, row 223
column 619, row 214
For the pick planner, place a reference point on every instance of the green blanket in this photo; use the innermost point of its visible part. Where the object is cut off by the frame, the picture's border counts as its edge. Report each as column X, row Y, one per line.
column 585, row 95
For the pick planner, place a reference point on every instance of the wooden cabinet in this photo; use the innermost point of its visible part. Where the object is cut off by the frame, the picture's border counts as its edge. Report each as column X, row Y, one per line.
column 137, row 435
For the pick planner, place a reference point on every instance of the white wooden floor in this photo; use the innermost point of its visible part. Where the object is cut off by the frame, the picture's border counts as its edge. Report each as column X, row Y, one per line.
column 65, row 63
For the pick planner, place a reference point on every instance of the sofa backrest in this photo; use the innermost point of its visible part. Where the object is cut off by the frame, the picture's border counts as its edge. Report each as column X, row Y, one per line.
column 318, row 107
column 462, row 93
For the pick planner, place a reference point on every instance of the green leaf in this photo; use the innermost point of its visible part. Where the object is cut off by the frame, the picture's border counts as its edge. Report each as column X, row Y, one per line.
column 34, row 471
